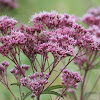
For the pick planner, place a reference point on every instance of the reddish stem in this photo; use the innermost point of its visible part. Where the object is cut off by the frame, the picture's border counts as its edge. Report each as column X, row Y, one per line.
column 60, row 73
column 9, row 90
column 38, row 97
column 82, row 86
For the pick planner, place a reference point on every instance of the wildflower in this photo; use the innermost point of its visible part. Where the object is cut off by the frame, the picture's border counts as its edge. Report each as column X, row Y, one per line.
column 3, row 68
column 19, row 71
column 70, row 79
column 24, row 81
column 5, row 63
column 32, row 95
column 11, row 41
column 36, row 82
column 26, row 67
column 6, row 24
column 61, row 38
column 92, row 17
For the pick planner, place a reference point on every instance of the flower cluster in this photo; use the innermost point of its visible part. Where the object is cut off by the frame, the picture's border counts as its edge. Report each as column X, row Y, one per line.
column 10, row 3
column 92, row 20
column 92, row 37
column 3, row 68
column 61, row 38
column 95, row 33
column 92, row 17
column 6, row 24
column 52, row 20
column 70, row 79
column 36, row 83
column 53, row 32
column 19, row 71
column 94, row 30
column 10, row 42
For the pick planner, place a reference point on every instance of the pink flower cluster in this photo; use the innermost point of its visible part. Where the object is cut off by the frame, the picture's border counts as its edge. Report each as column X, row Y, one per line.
column 94, row 30
column 10, row 3
column 6, row 24
column 10, row 42
column 95, row 33
column 3, row 68
column 92, row 17
column 36, row 82
column 53, row 32
column 19, row 71
column 70, row 79
column 92, row 37
column 52, row 20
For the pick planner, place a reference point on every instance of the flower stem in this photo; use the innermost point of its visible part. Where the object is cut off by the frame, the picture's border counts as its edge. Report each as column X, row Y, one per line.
column 82, row 86
column 60, row 73
column 38, row 97
column 12, row 93
column 9, row 90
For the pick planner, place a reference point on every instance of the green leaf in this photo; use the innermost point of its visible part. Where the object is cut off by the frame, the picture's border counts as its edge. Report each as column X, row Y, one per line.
column 87, row 93
column 18, row 83
column 54, row 87
column 52, row 92
column 27, row 94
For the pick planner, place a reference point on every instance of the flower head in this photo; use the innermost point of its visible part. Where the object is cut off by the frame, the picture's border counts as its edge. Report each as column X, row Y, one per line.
column 70, row 79
column 6, row 24
column 92, row 17
column 3, row 68
column 36, row 82
column 52, row 32
column 19, row 71
column 12, row 41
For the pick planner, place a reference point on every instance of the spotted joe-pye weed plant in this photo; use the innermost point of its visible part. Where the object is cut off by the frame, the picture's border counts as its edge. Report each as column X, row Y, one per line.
column 58, row 34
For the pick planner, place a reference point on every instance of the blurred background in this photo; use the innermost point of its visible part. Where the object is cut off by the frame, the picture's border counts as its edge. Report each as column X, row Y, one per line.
column 27, row 8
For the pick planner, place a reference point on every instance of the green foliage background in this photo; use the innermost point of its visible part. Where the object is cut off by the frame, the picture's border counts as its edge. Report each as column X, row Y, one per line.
column 25, row 10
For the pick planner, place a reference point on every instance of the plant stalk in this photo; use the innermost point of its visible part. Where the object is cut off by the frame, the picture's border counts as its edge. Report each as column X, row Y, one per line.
column 82, row 86
column 38, row 97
